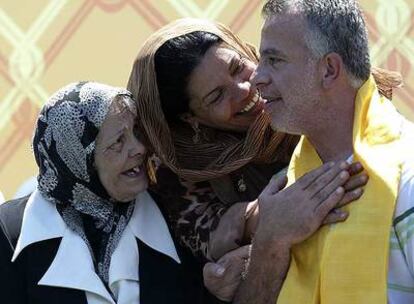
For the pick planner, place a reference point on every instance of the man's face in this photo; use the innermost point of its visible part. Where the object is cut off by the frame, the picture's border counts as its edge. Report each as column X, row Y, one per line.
column 287, row 75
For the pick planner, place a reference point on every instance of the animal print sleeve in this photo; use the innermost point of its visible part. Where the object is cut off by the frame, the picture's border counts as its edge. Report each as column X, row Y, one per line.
column 193, row 209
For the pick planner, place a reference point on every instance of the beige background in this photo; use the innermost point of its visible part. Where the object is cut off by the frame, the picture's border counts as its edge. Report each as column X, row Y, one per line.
column 47, row 44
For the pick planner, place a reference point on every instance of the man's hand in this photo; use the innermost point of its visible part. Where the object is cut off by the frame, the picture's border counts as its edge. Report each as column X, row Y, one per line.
column 287, row 217
column 353, row 190
column 291, row 215
column 223, row 277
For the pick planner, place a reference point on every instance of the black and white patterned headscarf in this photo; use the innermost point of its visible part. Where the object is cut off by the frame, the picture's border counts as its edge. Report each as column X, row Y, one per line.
column 64, row 147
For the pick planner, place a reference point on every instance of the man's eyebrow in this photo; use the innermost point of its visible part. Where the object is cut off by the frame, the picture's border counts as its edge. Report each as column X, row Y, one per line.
column 271, row 51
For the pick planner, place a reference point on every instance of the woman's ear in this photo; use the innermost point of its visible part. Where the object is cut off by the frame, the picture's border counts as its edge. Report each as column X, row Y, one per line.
column 193, row 122
column 188, row 118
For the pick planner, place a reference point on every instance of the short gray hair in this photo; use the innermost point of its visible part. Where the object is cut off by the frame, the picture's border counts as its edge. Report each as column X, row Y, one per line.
column 334, row 26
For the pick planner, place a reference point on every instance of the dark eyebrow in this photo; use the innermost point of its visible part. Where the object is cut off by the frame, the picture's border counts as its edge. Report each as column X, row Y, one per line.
column 234, row 61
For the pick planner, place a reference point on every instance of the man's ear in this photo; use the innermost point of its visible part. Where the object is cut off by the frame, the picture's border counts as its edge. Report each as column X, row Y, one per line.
column 332, row 68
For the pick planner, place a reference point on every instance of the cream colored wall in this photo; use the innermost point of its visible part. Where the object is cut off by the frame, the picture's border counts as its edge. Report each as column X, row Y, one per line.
column 47, row 44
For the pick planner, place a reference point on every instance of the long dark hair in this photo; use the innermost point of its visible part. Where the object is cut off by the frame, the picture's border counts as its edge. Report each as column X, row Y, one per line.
column 174, row 62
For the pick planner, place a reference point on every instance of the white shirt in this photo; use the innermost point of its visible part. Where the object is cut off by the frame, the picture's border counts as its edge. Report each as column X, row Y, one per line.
column 73, row 267
column 401, row 258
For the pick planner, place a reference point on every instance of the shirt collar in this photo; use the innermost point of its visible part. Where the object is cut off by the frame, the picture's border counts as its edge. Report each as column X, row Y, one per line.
column 41, row 222
column 72, row 266
column 149, row 226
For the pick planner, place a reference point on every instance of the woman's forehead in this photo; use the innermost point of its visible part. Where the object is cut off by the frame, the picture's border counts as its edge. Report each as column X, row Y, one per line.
column 213, row 67
column 115, row 123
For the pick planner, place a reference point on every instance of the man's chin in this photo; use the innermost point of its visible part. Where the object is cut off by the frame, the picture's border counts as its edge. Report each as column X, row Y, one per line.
column 274, row 126
column 277, row 126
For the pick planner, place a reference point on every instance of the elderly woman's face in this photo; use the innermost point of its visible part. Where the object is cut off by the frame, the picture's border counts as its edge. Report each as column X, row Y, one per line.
column 119, row 156
column 220, row 92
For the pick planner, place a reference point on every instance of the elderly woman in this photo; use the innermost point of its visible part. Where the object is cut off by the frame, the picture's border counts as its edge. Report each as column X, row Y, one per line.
column 205, row 123
column 91, row 233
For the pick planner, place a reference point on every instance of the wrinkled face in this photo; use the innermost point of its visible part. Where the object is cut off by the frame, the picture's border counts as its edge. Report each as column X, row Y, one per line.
column 287, row 74
column 220, row 92
column 119, row 156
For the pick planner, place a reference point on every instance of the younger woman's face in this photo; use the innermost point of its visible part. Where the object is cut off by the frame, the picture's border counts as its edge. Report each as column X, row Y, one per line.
column 220, row 92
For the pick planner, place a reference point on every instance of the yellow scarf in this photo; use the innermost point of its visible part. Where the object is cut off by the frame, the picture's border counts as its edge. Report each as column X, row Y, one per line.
column 348, row 262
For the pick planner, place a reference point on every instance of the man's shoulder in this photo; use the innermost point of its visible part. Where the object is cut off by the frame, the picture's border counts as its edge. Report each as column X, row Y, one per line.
column 407, row 170
column 404, row 209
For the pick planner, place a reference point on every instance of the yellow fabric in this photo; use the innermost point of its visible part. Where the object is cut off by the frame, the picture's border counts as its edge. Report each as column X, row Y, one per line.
column 347, row 263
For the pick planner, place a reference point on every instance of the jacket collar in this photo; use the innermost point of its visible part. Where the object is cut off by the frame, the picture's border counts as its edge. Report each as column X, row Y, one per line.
column 150, row 227
column 72, row 266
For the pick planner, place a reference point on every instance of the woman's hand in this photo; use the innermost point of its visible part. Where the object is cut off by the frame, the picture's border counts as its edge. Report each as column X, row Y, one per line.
column 223, row 277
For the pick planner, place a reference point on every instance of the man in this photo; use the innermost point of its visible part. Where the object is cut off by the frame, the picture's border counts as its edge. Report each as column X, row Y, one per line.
column 315, row 73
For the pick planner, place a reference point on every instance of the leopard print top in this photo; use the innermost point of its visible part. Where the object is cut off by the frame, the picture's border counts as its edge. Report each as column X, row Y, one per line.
column 194, row 210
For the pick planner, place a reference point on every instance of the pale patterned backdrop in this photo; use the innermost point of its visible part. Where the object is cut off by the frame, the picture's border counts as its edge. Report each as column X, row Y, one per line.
column 47, row 44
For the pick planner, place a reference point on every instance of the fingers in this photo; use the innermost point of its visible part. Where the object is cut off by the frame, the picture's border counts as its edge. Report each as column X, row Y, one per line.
column 350, row 196
column 213, row 270
column 335, row 216
column 356, row 182
column 275, row 185
column 326, row 183
column 221, row 286
column 235, row 260
column 241, row 252
column 337, row 182
column 311, row 176
column 355, row 168
column 330, row 203
column 223, row 278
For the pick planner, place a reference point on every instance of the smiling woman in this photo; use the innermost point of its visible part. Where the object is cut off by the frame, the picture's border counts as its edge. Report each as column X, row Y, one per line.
column 90, row 233
column 205, row 121
column 209, row 86
column 220, row 93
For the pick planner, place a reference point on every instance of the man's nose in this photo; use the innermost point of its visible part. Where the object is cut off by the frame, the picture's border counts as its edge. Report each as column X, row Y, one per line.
column 259, row 78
